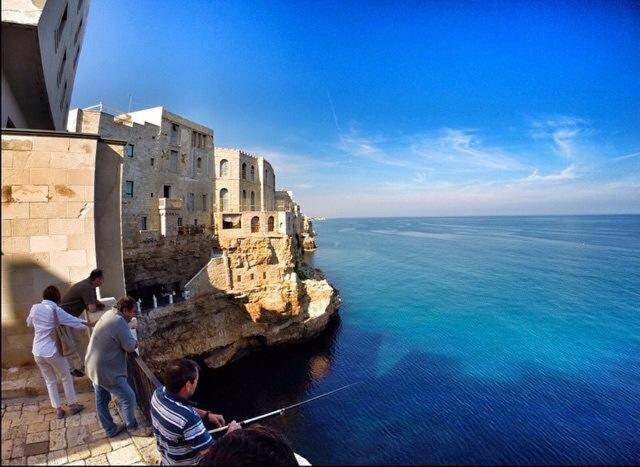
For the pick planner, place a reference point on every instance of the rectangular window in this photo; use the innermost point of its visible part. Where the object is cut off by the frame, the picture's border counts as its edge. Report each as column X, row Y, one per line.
column 193, row 139
column 152, row 194
column 152, row 161
column 179, row 221
column 204, row 202
column 167, row 191
column 190, row 201
column 128, row 150
column 75, row 38
column 143, row 223
column 60, row 29
column 173, row 163
column 128, row 189
column 174, row 133
column 75, row 59
column 61, row 69
column 195, row 222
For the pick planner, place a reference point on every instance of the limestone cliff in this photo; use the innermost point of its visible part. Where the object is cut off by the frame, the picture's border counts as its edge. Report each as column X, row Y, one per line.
column 258, row 293
column 308, row 235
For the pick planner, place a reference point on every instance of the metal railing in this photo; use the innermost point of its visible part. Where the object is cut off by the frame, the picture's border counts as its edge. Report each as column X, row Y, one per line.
column 143, row 382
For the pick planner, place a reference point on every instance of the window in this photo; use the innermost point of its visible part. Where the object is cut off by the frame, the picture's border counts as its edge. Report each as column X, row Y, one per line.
column 152, row 161
column 152, row 194
column 193, row 139
column 224, row 199
column 75, row 59
column 253, row 174
column 143, row 223
column 174, row 133
column 224, row 168
column 255, row 224
column 63, row 98
column 190, row 201
column 195, row 222
column 264, row 275
column 75, row 38
column 173, row 162
column 204, row 202
column 244, row 200
column 128, row 189
column 238, row 279
column 253, row 201
column 128, row 150
column 167, row 191
column 61, row 69
column 270, row 223
column 244, row 171
column 179, row 221
column 199, row 163
column 250, row 277
column 60, row 28
column 232, row 221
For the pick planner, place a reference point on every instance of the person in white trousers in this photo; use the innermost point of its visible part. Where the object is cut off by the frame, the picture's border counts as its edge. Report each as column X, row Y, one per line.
column 45, row 353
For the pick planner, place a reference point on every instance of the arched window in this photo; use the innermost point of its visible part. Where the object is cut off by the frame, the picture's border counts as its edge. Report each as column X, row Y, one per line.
column 255, row 224
column 253, row 174
column 199, row 163
column 270, row 223
column 253, row 201
column 224, row 168
column 244, row 199
column 244, row 171
column 224, row 199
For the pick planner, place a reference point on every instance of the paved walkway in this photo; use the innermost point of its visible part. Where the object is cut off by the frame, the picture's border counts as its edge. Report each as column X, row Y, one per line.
column 31, row 434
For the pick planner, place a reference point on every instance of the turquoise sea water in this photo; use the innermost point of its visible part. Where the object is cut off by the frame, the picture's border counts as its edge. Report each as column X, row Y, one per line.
column 479, row 340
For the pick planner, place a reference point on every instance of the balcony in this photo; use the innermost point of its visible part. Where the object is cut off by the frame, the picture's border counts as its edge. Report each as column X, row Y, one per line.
column 169, row 203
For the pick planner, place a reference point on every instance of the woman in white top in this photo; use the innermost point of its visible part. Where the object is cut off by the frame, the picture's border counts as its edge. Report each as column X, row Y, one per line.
column 45, row 352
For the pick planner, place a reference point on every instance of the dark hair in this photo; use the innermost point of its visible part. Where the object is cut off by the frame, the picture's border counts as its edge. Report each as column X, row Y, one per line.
column 51, row 293
column 178, row 372
column 95, row 274
column 255, row 445
column 125, row 303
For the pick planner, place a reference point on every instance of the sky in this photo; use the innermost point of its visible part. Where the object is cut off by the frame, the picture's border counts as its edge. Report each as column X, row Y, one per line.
column 394, row 108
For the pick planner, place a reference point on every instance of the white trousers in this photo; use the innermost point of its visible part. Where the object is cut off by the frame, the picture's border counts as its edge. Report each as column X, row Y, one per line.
column 49, row 366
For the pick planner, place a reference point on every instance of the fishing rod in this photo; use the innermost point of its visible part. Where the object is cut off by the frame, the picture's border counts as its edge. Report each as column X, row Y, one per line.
column 282, row 410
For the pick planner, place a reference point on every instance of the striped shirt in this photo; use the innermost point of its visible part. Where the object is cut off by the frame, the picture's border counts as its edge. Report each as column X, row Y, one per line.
column 179, row 431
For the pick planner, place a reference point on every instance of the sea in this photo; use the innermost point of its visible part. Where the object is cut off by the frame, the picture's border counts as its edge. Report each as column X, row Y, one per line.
column 510, row 340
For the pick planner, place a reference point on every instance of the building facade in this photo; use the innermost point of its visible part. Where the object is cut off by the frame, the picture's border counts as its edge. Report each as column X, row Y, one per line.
column 41, row 44
column 167, row 183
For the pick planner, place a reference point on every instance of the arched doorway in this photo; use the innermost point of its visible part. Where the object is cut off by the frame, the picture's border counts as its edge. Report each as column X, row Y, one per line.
column 270, row 224
column 255, row 224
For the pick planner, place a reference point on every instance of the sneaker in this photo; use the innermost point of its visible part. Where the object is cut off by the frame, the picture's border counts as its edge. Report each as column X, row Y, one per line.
column 77, row 373
column 141, row 431
column 75, row 408
column 119, row 429
column 60, row 413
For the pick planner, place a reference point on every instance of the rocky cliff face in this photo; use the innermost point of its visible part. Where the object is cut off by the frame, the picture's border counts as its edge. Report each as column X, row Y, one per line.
column 269, row 297
column 308, row 235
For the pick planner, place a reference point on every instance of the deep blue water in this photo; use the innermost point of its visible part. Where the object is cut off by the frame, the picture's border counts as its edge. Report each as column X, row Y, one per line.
column 480, row 340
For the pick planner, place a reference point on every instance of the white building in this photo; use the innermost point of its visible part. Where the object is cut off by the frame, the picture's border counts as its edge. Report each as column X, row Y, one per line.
column 41, row 43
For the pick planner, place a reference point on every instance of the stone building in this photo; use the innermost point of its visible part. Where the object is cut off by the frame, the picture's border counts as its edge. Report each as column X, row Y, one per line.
column 41, row 43
column 167, row 170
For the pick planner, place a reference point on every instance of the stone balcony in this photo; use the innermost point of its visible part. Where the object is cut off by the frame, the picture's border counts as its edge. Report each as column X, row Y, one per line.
column 169, row 203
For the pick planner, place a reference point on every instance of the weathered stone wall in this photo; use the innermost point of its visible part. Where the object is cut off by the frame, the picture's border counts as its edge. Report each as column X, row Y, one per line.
column 49, row 191
column 154, row 259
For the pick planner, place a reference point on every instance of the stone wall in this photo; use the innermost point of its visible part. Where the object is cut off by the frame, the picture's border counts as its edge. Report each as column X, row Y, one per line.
column 50, row 193
column 153, row 259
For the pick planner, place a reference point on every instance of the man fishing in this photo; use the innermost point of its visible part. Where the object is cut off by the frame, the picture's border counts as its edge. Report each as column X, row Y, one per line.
column 181, row 436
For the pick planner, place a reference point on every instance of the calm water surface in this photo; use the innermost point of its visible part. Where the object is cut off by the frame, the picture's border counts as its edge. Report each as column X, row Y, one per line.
column 480, row 340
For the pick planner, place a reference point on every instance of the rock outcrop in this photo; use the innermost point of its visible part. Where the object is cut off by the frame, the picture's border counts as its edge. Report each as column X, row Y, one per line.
column 258, row 294
column 308, row 235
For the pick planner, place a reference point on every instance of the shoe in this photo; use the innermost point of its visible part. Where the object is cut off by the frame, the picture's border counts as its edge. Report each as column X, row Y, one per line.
column 119, row 429
column 60, row 413
column 77, row 373
column 75, row 408
column 141, row 431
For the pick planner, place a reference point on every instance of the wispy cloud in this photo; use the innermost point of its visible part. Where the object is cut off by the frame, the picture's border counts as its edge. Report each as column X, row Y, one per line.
column 568, row 173
column 564, row 132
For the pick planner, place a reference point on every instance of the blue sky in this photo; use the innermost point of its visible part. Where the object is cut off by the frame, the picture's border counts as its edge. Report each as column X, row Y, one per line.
column 394, row 108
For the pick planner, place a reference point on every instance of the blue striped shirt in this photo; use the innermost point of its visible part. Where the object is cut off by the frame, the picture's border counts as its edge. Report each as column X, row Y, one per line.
column 179, row 431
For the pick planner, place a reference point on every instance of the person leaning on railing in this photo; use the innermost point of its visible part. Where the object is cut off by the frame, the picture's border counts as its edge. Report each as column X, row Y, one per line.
column 44, row 317
column 106, row 364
